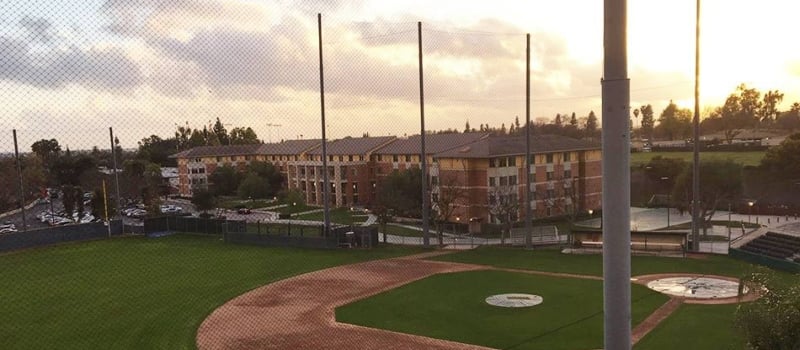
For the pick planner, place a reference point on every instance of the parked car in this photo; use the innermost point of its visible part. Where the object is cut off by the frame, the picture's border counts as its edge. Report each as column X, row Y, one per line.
column 244, row 211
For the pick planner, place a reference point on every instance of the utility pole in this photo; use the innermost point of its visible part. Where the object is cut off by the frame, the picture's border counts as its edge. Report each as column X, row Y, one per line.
column 21, row 186
column 426, row 235
column 326, row 186
column 616, row 179
column 528, row 223
column 696, row 136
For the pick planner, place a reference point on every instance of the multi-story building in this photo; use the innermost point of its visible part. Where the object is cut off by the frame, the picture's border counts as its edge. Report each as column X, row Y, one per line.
column 480, row 179
column 196, row 164
column 349, row 177
column 484, row 175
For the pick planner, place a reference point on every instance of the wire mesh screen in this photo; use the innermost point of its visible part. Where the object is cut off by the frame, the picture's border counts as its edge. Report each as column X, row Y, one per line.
column 251, row 174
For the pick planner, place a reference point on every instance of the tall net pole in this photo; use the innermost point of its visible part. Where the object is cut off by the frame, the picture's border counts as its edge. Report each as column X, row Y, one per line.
column 326, row 186
column 696, row 136
column 616, row 179
column 426, row 239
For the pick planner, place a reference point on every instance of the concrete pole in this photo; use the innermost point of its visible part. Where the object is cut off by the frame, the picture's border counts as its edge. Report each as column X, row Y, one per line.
column 326, row 186
column 616, row 179
column 528, row 223
column 426, row 238
column 696, row 136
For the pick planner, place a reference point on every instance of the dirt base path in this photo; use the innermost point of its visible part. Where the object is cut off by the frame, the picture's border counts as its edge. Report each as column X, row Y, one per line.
column 298, row 313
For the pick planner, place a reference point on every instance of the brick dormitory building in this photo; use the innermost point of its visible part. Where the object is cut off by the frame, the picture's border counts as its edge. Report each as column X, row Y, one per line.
column 565, row 172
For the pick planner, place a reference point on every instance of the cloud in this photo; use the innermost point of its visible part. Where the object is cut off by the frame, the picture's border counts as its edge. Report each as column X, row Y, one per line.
column 54, row 68
column 38, row 29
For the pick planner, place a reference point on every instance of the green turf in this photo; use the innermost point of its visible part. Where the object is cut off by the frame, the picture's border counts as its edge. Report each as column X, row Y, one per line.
column 705, row 327
column 451, row 306
column 744, row 158
column 139, row 293
column 405, row 231
column 339, row 215
column 592, row 264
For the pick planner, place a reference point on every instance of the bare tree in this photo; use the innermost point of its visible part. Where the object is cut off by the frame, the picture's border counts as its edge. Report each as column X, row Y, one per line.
column 504, row 205
column 444, row 202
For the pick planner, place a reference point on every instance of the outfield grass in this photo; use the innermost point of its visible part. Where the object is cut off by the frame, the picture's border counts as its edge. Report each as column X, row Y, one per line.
column 451, row 306
column 138, row 293
column 745, row 158
column 695, row 327
column 592, row 264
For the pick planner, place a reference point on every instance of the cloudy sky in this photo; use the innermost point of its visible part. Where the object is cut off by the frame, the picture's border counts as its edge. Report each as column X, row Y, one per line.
column 70, row 70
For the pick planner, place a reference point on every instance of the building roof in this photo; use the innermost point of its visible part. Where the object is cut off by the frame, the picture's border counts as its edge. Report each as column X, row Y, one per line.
column 434, row 143
column 750, row 134
column 218, row 151
column 354, row 145
column 507, row 145
column 289, row 147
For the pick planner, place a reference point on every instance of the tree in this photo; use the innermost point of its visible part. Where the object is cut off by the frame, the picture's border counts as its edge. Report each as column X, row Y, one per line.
column 203, row 200
column 243, row 136
column 224, row 180
column 98, row 208
column 269, row 174
column 68, row 197
column 69, row 169
column 46, row 149
column 444, row 202
column 674, row 122
column 221, row 133
column 771, row 321
column 504, row 206
column 156, row 150
column 790, row 120
column 768, row 111
column 591, row 125
column 720, row 181
column 401, row 191
column 558, row 121
column 466, row 127
column 516, row 122
column 573, row 120
column 648, row 121
column 783, row 161
column 254, row 186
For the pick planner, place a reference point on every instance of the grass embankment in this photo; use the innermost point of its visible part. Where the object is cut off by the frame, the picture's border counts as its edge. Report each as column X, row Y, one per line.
column 745, row 158
column 138, row 293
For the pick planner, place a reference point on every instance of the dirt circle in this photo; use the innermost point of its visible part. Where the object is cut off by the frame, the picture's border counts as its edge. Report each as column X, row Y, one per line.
column 698, row 288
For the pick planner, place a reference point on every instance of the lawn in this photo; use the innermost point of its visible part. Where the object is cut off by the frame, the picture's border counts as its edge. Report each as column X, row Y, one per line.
column 745, row 158
column 592, row 264
column 338, row 215
column 451, row 306
column 138, row 293
column 695, row 327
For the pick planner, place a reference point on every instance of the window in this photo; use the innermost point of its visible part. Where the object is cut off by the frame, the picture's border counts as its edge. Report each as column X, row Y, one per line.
column 355, row 199
column 355, row 187
column 533, row 159
column 330, row 158
column 246, row 157
column 549, row 157
column 503, row 162
column 380, row 158
column 434, row 197
column 512, row 180
column 273, row 158
column 491, row 163
column 344, row 172
column 434, row 180
column 567, row 174
column 219, row 159
column 341, row 158
column 296, row 158
column 492, row 199
column 201, row 170
column 566, row 156
column 350, row 158
column 234, row 158
column 394, row 158
column 551, row 193
column 492, row 181
column 512, row 161
column 408, row 157
column 302, row 171
column 355, row 172
column 503, row 181
column 303, row 186
column 549, row 176
column 361, row 157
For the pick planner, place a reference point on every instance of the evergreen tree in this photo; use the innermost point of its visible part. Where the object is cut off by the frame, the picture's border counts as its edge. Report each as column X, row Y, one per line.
column 466, row 127
column 591, row 124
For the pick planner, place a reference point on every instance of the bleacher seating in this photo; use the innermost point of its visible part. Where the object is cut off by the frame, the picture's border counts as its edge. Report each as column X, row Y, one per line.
column 775, row 245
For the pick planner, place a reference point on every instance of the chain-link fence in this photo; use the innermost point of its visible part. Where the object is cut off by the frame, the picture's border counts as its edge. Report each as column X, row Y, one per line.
column 243, row 174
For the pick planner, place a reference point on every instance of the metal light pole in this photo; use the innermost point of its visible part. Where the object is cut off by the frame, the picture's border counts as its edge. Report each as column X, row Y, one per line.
column 326, row 188
column 426, row 235
column 750, row 211
column 21, row 186
column 696, row 136
column 669, row 198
